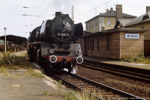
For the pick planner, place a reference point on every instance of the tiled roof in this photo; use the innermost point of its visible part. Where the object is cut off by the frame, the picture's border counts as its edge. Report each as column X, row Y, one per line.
column 115, row 30
column 122, row 22
column 142, row 18
column 15, row 39
column 112, row 14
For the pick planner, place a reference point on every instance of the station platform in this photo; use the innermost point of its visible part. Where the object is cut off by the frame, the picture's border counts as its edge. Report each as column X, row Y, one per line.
column 19, row 85
column 118, row 63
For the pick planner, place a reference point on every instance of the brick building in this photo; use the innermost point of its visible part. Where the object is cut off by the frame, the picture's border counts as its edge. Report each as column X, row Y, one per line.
column 107, row 20
column 116, row 43
column 115, row 35
column 141, row 22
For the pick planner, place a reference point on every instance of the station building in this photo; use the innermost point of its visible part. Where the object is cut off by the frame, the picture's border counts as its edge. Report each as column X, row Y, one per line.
column 117, row 41
column 141, row 22
column 107, row 20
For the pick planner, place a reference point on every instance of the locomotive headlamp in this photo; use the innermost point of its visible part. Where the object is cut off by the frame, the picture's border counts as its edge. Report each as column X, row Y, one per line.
column 64, row 22
column 77, row 53
column 79, row 60
column 51, row 51
column 53, row 59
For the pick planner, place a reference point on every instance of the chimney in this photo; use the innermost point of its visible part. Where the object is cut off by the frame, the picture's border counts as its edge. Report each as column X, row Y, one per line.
column 118, row 12
column 111, row 9
column 57, row 14
column 148, row 10
column 107, row 10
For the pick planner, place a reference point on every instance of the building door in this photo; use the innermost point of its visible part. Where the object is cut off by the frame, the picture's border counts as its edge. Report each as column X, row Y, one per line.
column 147, row 47
column 85, row 47
column 92, row 44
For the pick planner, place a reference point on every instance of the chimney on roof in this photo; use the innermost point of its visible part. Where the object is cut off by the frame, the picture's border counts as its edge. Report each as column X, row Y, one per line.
column 111, row 9
column 148, row 10
column 107, row 10
column 118, row 12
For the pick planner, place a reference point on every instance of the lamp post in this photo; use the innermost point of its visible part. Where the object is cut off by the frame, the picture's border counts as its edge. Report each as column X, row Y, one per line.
column 5, row 39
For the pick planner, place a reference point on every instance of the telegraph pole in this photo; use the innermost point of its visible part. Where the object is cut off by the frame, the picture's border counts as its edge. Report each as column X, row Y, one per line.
column 5, row 39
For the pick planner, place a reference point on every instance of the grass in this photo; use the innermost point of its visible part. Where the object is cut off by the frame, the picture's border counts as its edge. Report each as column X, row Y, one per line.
column 13, row 61
column 10, row 58
column 59, row 86
column 72, row 95
column 45, row 93
column 85, row 96
column 3, row 69
column 32, row 73
column 140, row 59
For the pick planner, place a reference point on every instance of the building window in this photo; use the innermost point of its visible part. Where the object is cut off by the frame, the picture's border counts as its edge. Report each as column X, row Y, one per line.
column 98, row 42
column 142, row 27
column 92, row 44
column 107, row 43
column 96, row 23
column 109, row 23
column 87, row 27
column 91, row 26
column 88, row 44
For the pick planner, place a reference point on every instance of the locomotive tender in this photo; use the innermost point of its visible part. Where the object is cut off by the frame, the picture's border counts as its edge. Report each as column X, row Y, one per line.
column 53, row 44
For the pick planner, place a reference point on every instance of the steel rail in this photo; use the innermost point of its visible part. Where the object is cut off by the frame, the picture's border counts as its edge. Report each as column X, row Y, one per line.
column 127, row 75
column 145, row 77
column 120, row 68
column 105, row 87
column 74, row 86
column 96, row 84
column 130, row 96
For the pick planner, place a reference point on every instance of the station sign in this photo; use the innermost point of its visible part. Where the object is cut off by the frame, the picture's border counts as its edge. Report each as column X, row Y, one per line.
column 132, row 36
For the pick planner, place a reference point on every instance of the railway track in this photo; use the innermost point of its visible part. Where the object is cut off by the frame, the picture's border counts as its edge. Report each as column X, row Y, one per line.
column 118, row 71
column 100, row 91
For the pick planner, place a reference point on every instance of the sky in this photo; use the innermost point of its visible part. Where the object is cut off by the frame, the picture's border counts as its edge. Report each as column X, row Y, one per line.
column 11, row 12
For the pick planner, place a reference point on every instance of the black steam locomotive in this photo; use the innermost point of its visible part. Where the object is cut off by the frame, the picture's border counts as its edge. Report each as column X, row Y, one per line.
column 53, row 44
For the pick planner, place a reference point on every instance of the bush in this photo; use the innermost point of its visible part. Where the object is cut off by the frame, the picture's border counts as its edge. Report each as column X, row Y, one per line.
column 10, row 58
column 7, row 58
column 139, row 59
column 71, row 96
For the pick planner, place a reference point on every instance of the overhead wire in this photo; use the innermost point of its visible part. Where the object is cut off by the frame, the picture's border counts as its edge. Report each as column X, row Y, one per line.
column 47, row 7
column 94, row 7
